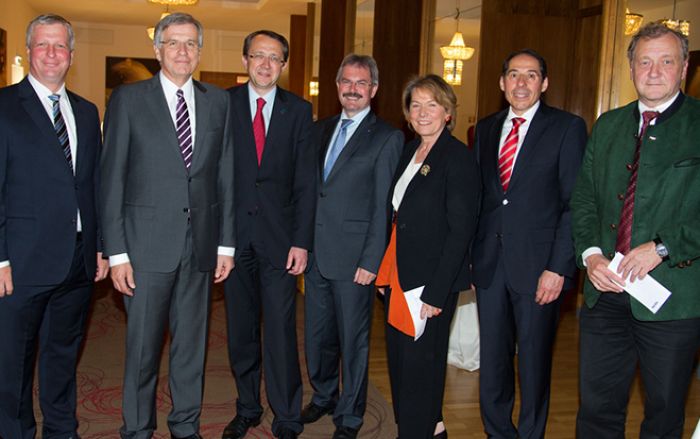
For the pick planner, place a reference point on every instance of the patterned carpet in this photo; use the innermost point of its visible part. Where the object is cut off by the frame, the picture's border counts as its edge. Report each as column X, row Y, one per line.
column 101, row 368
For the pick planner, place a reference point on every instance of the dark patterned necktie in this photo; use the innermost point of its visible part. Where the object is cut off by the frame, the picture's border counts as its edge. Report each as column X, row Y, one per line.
column 59, row 125
column 184, row 132
column 624, row 229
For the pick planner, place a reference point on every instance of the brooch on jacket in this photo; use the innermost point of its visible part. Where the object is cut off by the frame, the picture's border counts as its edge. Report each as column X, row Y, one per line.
column 424, row 170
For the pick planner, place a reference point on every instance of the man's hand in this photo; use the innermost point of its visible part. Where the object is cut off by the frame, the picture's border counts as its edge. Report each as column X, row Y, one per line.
column 364, row 277
column 549, row 287
column 102, row 268
column 224, row 265
column 296, row 261
column 600, row 275
column 6, row 286
column 428, row 311
column 123, row 278
column 639, row 261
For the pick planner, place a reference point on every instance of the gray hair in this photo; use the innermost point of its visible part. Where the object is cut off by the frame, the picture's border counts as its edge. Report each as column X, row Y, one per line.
column 178, row 18
column 657, row 30
column 365, row 61
column 50, row 19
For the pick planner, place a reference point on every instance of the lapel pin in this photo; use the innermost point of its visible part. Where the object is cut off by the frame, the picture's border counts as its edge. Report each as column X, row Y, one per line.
column 425, row 170
column 652, row 138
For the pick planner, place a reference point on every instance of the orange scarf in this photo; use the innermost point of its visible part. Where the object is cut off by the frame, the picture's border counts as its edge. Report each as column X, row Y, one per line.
column 399, row 315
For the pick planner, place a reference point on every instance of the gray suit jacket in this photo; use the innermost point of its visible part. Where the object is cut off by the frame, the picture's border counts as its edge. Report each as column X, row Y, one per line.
column 148, row 197
column 352, row 217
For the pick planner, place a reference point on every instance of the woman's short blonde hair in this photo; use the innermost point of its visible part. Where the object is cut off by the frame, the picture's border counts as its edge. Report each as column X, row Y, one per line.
column 441, row 91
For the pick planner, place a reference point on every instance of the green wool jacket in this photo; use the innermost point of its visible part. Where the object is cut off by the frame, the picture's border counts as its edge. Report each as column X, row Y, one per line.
column 667, row 199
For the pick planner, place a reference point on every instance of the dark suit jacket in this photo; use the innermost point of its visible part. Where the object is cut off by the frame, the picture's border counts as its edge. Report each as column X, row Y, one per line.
column 532, row 221
column 437, row 219
column 352, row 219
column 39, row 196
column 277, row 198
column 148, row 196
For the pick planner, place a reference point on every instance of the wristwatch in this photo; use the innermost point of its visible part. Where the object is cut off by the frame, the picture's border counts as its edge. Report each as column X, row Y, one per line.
column 661, row 249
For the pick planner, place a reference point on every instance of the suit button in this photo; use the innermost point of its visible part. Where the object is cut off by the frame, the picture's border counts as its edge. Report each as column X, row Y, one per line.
column 250, row 212
column 629, row 166
column 613, row 226
column 402, row 226
column 505, row 202
column 620, row 197
column 611, row 255
column 681, row 264
column 189, row 180
column 688, row 263
column 257, row 184
column 186, row 210
column 322, row 194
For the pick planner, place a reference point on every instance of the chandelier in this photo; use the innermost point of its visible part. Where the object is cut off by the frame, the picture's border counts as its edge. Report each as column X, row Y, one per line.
column 455, row 54
column 632, row 22
column 152, row 30
column 174, row 2
column 682, row 26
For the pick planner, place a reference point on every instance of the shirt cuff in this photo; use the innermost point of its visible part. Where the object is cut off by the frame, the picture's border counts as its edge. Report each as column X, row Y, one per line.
column 226, row 251
column 590, row 251
column 121, row 258
column 4, row 264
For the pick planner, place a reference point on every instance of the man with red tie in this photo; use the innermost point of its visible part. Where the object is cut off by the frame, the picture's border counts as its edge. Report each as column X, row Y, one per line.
column 275, row 177
column 523, row 255
column 637, row 195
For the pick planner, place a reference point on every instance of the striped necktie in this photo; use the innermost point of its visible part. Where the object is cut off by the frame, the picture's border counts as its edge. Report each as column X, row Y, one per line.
column 59, row 125
column 184, row 132
column 507, row 156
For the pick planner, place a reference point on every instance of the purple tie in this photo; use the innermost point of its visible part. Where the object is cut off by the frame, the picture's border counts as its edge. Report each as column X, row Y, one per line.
column 184, row 132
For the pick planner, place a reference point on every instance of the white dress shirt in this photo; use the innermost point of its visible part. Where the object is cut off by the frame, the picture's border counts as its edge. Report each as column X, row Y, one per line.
column 404, row 181
column 522, row 130
column 267, row 109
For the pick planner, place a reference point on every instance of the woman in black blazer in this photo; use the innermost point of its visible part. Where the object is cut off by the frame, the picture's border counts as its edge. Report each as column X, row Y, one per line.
column 435, row 200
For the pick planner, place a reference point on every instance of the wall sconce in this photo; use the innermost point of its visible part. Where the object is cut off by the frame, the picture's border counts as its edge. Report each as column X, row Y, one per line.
column 313, row 88
column 17, row 70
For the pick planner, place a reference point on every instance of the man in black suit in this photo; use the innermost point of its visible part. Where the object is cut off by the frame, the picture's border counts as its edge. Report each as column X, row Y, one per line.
column 357, row 157
column 523, row 255
column 274, row 185
column 49, row 245
column 167, row 215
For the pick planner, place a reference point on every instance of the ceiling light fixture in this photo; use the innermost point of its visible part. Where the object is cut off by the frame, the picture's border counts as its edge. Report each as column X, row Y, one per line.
column 455, row 54
column 682, row 26
column 632, row 22
column 174, row 2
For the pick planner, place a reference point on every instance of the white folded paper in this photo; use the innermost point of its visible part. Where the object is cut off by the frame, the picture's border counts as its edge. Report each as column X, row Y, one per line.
column 648, row 291
column 414, row 306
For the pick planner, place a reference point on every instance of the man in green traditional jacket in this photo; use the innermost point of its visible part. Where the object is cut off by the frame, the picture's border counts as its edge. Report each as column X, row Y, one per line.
column 638, row 193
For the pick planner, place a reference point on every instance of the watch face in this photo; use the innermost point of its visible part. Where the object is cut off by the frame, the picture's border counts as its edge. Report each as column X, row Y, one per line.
column 661, row 250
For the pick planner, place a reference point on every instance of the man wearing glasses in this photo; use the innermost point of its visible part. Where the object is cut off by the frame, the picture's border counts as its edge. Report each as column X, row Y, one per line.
column 167, row 218
column 275, row 198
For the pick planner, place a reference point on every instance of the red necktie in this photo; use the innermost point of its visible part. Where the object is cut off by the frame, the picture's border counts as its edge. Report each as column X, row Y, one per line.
column 507, row 155
column 259, row 129
column 624, row 229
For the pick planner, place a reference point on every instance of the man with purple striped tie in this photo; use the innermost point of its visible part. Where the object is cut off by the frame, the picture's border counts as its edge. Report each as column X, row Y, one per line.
column 167, row 213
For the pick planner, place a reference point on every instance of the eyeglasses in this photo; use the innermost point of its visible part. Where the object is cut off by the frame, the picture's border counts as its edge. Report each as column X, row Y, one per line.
column 346, row 83
column 190, row 45
column 259, row 58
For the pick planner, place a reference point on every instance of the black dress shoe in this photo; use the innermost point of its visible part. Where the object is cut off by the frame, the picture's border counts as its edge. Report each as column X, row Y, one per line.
column 286, row 433
column 192, row 436
column 237, row 428
column 343, row 432
column 312, row 413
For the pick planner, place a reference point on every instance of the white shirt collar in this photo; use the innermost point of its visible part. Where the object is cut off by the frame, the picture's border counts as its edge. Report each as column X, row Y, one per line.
column 43, row 91
column 170, row 89
column 527, row 115
column 660, row 108
column 357, row 118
